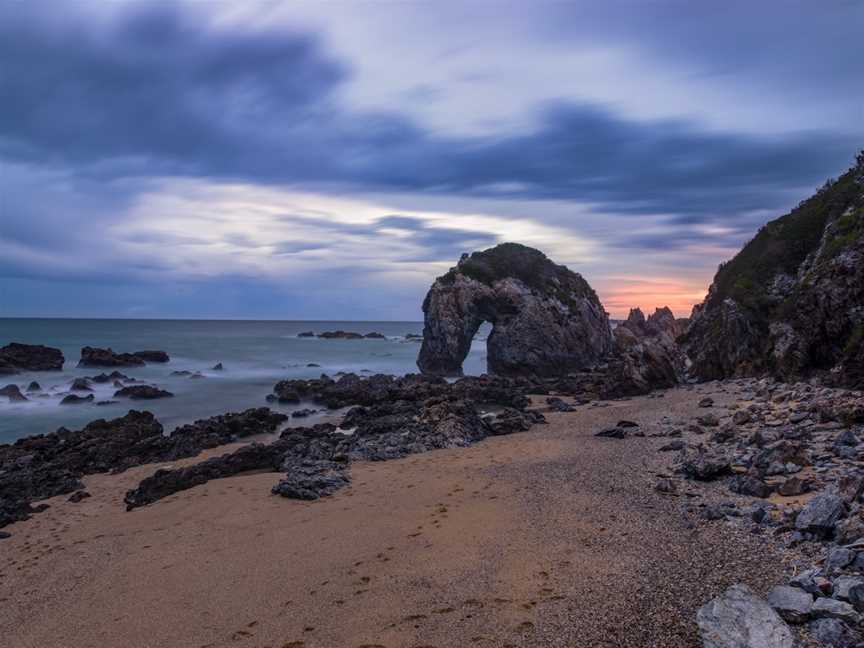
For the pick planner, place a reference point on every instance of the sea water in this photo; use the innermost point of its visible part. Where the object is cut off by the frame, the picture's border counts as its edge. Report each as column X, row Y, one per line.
column 255, row 355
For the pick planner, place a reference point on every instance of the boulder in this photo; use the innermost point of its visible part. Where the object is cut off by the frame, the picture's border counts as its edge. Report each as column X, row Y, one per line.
column 311, row 479
column 705, row 465
column 13, row 393
column 546, row 320
column 791, row 603
column 831, row 608
column 751, row 486
column 833, row 633
column 30, row 357
column 820, row 515
column 740, row 619
column 81, row 384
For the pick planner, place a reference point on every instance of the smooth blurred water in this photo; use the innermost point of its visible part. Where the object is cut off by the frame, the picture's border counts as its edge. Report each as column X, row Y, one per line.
column 255, row 354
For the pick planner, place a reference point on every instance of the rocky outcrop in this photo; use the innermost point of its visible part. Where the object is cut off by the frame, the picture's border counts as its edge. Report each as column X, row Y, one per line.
column 391, row 418
column 546, row 320
column 647, row 355
column 17, row 357
column 52, row 464
column 95, row 357
column 790, row 303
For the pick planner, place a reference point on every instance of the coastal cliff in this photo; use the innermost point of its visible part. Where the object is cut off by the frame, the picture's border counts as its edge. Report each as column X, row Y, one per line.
column 789, row 304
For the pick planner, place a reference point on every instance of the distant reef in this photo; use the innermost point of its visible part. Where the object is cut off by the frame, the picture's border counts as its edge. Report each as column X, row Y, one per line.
column 791, row 303
column 96, row 357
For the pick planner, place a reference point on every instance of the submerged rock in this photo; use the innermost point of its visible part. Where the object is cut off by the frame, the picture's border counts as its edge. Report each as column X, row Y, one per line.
column 142, row 392
column 152, row 356
column 546, row 320
column 13, row 393
column 74, row 399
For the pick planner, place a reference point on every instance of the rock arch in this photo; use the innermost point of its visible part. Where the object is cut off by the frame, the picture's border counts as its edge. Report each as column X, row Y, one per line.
column 546, row 320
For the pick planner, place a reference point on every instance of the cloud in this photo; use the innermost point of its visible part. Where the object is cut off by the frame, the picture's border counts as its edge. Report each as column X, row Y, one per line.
column 149, row 143
column 156, row 92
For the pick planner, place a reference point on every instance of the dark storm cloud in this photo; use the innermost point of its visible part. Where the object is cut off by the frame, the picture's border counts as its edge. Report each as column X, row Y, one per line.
column 159, row 92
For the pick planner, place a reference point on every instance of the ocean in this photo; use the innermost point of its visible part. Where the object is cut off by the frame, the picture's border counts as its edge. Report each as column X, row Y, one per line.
column 254, row 354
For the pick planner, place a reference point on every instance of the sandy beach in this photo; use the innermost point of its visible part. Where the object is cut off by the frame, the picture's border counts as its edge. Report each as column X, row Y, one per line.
column 551, row 537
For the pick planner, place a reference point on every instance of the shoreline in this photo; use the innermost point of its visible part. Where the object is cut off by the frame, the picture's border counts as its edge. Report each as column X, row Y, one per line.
column 526, row 539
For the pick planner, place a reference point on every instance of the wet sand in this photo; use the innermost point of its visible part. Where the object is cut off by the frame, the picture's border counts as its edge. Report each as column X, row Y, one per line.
column 546, row 538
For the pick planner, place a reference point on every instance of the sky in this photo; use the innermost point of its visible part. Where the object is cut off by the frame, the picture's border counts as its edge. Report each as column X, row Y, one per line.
column 327, row 160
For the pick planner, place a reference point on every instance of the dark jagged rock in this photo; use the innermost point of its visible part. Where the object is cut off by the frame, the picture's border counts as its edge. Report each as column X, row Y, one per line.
column 647, row 355
column 820, row 515
column 34, row 387
column 142, row 392
column 95, row 357
column 163, row 483
column 375, row 335
column 393, row 417
column 16, row 357
column 13, row 393
column 152, row 356
column 311, row 479
column 350, row 389
column 218, row 367
column 546, row 320
column 748, row 485
column 306, row 334
column 789, row 304
column 43, row 466
column 705, row 465
column 74, row 399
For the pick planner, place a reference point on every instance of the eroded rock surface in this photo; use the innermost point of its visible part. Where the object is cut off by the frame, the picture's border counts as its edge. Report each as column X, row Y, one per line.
column 789, row 304
column 546, row 320
column 646, row 353
column 52, row 464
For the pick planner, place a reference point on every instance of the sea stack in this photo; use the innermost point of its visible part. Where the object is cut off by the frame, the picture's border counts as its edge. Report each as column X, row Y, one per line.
column 546, row 320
